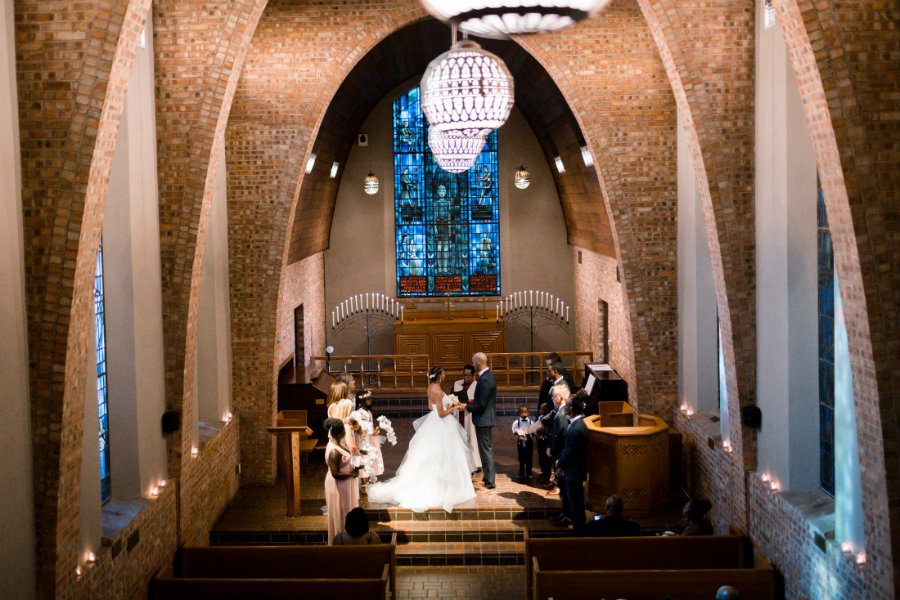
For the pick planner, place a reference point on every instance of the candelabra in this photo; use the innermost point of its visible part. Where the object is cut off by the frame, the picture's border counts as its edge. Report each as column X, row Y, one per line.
column 534, row 309
column 369, row 313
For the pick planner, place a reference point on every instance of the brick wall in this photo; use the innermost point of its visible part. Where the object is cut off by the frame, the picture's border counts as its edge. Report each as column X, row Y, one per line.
column 595, row 280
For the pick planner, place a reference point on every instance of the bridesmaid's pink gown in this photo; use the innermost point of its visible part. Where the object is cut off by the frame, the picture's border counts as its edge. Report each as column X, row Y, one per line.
column 341, row 495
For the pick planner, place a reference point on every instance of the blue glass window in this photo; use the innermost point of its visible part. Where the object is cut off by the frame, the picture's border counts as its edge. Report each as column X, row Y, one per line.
column 100, row 335
column 447, row 225
column 826, row 348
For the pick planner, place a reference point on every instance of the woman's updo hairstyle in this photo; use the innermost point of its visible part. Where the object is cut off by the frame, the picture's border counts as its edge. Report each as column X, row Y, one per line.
column 434, row 373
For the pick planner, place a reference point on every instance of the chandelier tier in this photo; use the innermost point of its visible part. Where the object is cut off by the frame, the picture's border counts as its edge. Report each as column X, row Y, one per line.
column 502, row 18
column 467, row 90
column 454, row 151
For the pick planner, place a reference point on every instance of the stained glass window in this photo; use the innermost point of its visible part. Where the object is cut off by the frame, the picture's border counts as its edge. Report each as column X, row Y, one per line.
column 100, row 334
column 826, row 348
column 447, row 225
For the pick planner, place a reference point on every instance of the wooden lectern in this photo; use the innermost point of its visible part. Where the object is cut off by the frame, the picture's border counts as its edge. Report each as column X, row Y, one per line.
column 294, row 444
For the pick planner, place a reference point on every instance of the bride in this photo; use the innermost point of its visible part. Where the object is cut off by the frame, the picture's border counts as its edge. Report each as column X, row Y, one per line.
column 436, row 471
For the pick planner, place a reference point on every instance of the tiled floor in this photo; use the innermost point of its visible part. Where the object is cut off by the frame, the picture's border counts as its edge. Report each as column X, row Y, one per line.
column 488, row 583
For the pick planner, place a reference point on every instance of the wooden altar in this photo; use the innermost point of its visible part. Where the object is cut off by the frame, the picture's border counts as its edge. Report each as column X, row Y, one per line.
column 450, row 343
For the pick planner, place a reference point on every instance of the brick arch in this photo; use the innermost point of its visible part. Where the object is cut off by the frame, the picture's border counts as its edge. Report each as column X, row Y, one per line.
column 60, row 208
column 639, row 195
column 276, row 136
column 715, row 101
column 192, row 113
column 849, row 99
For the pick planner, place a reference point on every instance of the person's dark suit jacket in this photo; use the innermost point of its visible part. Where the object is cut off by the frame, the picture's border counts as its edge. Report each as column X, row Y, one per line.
column 612, row 526
column 484, row 407
column 573, row 458
column 558, row 431
column 570, row 381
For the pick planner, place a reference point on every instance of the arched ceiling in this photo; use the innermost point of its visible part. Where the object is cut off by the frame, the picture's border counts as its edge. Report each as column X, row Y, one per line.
column 406, row 54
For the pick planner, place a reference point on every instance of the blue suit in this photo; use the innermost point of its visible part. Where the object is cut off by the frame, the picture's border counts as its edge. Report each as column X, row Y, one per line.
column 484, row 409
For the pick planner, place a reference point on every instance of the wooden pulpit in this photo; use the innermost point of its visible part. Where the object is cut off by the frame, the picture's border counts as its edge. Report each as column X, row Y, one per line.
column 294, row 444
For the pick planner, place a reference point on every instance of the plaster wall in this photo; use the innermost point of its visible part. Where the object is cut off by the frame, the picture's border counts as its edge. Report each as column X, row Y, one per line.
column 698, row 376
column 534, row 253
column 786, row 297
column 133, row 294
column 214, row 327
column 17, row 558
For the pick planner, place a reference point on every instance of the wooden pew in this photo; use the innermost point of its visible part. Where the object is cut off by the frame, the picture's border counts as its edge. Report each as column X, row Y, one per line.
column 647, row 584
column 270, row 589
column 634, row 553
column 290, row 562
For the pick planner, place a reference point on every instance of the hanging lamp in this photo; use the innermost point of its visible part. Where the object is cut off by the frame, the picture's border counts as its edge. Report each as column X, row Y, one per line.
column 500, row 19
column 522, row 178
column 370, row 184
column 454, row 151
column 467, row 90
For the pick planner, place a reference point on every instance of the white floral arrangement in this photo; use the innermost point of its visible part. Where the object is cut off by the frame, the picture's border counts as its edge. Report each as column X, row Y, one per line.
column 362, row 419
column 449, row 401
column 365, row 461
column 384, row 424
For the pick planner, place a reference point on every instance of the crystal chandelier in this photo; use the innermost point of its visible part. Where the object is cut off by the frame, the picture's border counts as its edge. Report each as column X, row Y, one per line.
column 502, row 18
column 454, row 151
column 370, row 184
column 522, row 179
column 468, row 90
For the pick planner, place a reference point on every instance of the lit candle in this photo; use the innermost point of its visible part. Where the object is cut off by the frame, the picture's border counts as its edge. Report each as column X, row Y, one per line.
column 401, row 313
column 567, row 314
column 498, row 312
column 333, row 320
column 531, row 297
column 367, row 300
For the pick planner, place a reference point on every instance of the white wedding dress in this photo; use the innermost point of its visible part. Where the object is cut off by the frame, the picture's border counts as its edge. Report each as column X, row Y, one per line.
column 436, row 471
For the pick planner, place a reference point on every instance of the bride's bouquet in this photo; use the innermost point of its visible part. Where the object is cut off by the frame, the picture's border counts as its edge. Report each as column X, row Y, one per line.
column 362, row 419
column 365, row 462
column 384, row 424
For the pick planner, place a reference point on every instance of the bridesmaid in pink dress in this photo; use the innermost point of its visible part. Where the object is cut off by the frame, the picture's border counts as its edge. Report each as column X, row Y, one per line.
column 341, row 494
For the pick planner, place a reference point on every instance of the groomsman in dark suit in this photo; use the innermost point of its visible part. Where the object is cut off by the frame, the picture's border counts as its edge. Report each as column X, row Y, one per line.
column 483, row 410
column 572, row 461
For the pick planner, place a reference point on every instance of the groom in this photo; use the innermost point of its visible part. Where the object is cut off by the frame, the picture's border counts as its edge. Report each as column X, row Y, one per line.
column 483, row 409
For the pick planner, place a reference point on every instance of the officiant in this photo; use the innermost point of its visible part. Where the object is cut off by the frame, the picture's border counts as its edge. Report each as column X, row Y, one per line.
column 464, row 389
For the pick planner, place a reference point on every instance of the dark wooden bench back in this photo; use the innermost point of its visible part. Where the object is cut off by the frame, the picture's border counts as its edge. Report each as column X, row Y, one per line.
column 269, row 589
column 634, row 553
column 696, row 584
column 288, row 562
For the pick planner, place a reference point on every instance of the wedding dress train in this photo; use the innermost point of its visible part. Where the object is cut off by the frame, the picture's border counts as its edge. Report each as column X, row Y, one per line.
column 436, row 470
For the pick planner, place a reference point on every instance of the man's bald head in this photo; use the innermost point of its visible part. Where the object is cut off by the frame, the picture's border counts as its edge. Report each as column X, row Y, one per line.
column 479, row 360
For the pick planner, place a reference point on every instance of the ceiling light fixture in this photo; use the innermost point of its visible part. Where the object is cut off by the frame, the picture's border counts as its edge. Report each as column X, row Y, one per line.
column 586, row 156
column 370, row 184
column 454, row 151
column 560, row 167
column 522, row 179
column 501, row 18
column 467, row 90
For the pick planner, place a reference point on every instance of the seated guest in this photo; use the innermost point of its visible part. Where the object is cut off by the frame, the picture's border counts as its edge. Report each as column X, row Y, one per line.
column 696, row 519
column 356, row 530
column 613, row 524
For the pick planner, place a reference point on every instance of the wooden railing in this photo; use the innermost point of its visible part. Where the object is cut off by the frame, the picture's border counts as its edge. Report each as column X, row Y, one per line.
column 527, row 369
column 380, row 370
column 408, row 371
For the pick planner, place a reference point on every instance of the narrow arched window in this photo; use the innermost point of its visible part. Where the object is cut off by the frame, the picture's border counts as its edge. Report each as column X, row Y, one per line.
column 102, row 388
column 447, row 225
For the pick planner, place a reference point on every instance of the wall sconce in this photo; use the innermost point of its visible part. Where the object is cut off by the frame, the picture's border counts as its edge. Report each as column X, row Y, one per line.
column 228, row 417
column 370, row 184
column 764, row 478
column 195, row 452
column 522, row 179
column 310, row 163
column 726, row 446
column 861, row 559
